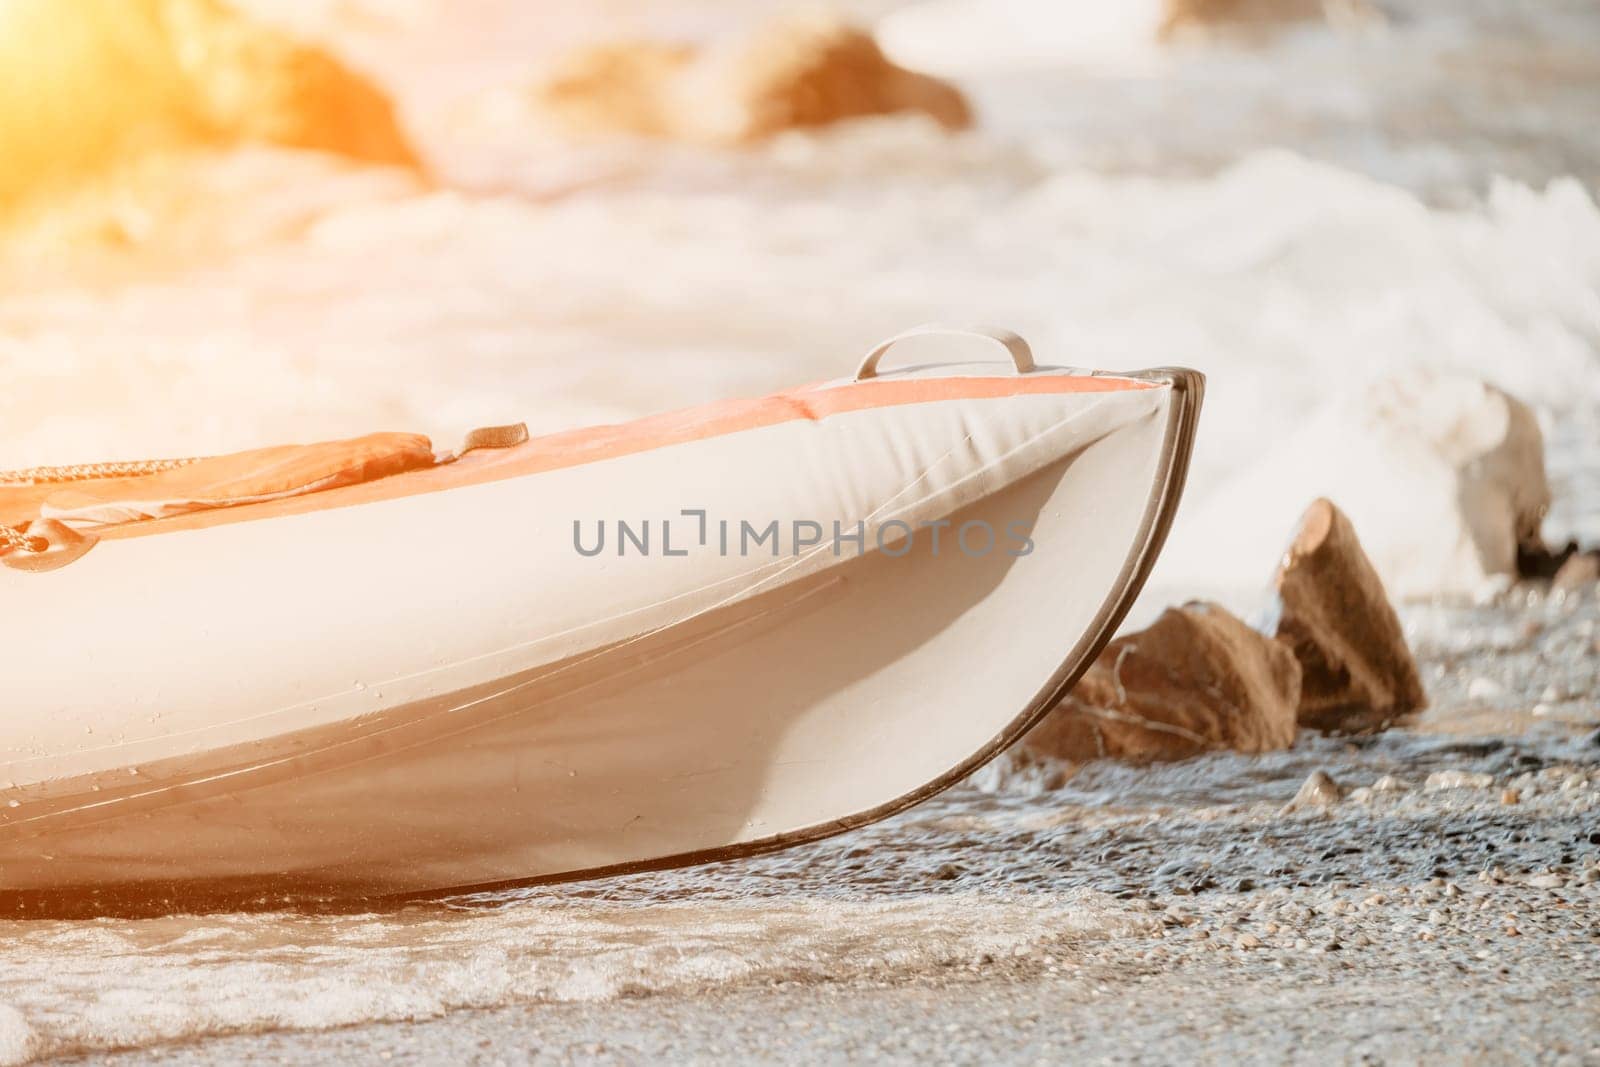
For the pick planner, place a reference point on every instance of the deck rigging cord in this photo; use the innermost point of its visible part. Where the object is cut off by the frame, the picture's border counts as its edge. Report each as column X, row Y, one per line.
column 16, row 539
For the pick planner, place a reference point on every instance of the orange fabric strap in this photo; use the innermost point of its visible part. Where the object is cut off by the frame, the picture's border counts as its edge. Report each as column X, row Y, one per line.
column 221, row 481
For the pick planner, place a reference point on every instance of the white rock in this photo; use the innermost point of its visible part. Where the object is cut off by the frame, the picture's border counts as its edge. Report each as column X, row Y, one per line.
column 1484, row 689
column 1442, row 780
column 1441, row 475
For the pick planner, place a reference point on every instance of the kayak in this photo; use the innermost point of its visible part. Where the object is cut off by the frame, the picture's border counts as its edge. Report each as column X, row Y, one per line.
column 368, row 669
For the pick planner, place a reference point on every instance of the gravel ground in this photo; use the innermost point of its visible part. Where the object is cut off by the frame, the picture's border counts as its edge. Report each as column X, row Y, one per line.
column 1490, row 970
column 1436, row 897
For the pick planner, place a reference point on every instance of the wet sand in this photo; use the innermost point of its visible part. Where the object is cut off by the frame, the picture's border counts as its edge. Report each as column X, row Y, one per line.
column 1404, row 1003
column 1451, row 967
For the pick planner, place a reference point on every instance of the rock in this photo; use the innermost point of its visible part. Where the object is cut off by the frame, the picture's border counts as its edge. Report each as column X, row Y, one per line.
column 1388, row 784
column 788, row 73
column 1581, row 570
column 1356, row 671
column 255, row 83
column 1439, row 781
column 1185, row 17
column 1510, row 796
column 1442, row 474
column 1484, row 689
column 966, row 37
column 1197, row 680
column 84, row 83
column 1319, row 790
column 1538, row 560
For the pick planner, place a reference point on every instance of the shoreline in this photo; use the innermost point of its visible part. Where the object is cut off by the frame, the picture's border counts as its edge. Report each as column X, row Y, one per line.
column 1417, row 986
column 1447, row 906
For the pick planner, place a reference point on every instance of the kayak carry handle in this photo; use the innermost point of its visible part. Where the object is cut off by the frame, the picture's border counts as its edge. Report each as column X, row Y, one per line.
column 1012, row 342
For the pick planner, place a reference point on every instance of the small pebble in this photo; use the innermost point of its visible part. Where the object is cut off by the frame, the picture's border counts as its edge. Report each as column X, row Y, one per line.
column 1510, row 796
column 1484, row 689
column 1442, row 780
column 1319, row 790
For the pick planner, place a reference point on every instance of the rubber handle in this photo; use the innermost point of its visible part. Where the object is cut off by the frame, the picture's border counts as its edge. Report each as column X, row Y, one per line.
column 1013, row 343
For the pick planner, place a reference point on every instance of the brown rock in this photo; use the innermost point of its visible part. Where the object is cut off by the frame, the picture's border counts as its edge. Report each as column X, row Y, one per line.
column 1356, row 671
column 789, row 73
column 1199, row 679
column 250, row 82
column 1535, row 559
column 1182, row 17
column 617, row 87
column 84, row 83
column 1582, row 569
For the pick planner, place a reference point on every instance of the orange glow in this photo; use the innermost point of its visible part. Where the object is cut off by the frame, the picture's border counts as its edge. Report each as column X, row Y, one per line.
column 85, row 82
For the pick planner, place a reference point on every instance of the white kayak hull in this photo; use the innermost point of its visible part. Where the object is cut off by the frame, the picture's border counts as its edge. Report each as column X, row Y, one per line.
column 487, row 723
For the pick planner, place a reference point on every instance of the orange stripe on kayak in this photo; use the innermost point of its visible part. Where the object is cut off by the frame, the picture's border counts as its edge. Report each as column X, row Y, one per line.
column 592, row 444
